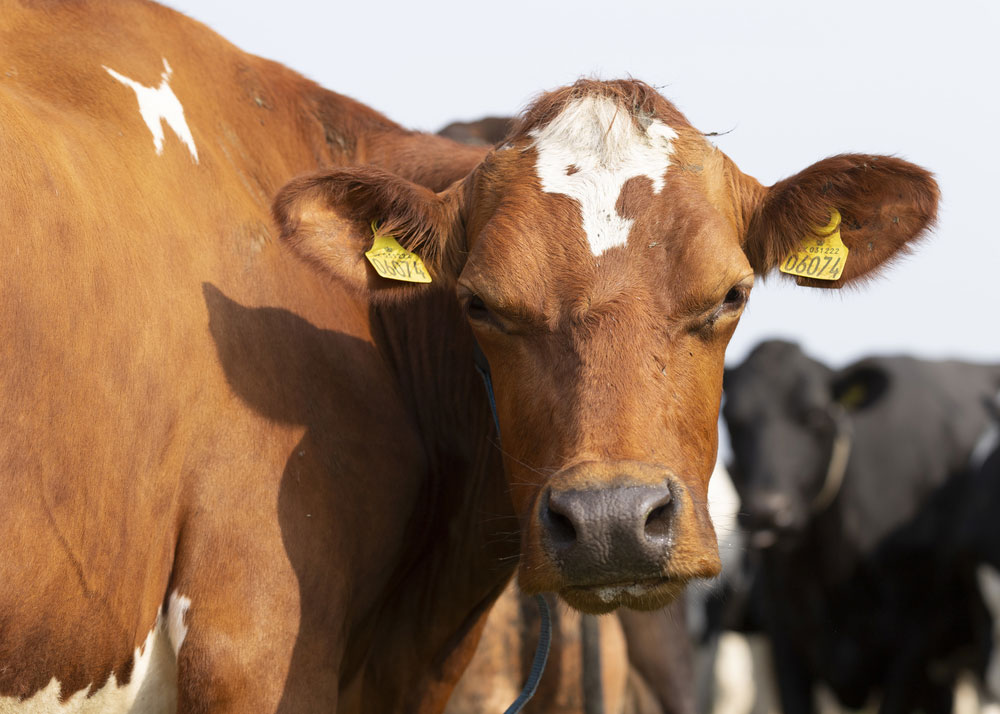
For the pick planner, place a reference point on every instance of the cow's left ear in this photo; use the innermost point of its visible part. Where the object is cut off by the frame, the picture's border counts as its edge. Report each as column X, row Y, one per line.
column 860, row 386
column 330, row 218
column 885, row 204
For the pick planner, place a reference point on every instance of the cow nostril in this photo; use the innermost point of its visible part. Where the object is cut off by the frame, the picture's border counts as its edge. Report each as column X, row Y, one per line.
column 658, row 521
column 561, row 529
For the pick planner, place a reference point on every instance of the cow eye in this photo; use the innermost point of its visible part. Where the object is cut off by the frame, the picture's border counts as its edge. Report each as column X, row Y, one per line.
column 477, row 311
column 735, row 298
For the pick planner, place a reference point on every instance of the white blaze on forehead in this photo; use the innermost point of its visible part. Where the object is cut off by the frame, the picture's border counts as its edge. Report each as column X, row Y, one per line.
column 601, row 146
column 158, row 105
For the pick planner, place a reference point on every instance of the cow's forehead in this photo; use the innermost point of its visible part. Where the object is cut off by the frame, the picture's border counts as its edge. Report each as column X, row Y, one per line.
column 603, row 195
column 589, row 151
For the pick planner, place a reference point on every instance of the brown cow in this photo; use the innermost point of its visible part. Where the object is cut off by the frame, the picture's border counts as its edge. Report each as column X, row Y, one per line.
column 505, row 652
column 658, row 656
column 232, row 480
column 640, row 661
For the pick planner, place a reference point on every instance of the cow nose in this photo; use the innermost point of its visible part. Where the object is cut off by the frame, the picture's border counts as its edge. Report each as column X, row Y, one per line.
column 768, row 514
column 609, row 533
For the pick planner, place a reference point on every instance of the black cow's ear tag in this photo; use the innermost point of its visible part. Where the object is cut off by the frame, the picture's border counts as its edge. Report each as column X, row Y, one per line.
column 821, row 255
column 854, row 396
column 393, row 261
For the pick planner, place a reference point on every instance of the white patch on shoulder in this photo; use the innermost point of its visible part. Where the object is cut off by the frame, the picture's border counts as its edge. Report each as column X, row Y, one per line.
column 152, row 688
column 589, row 151
column 158, row 105
column 176, row 628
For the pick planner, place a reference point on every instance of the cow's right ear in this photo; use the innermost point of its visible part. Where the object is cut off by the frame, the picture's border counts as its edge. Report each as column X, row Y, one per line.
column 327, row 218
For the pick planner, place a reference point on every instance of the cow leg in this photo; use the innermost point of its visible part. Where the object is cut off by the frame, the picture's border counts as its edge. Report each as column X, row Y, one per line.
column 659, row 648
column 988, row 580
column 907, row 687
column 926, row 697
column 793, row 678
column 795, row 683
column 243, row 627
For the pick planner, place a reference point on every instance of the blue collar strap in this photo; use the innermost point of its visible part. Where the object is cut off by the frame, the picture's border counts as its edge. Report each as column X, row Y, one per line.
column 483, row 367
column 545, row 631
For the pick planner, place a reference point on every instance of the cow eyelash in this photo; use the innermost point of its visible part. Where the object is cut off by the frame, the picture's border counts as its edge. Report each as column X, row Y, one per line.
column 733, row 302
column 477, row 311
column 736, row 297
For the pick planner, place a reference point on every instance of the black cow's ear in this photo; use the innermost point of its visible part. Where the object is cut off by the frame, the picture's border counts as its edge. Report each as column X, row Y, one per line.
column 859, row 387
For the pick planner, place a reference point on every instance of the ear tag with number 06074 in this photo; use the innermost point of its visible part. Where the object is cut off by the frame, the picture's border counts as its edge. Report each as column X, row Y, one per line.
column 393, row 261
column 821, row 255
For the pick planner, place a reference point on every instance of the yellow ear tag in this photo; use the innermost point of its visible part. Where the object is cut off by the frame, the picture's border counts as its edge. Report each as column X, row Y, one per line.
column 820, row 256
column 393, row 261
column 855, row 395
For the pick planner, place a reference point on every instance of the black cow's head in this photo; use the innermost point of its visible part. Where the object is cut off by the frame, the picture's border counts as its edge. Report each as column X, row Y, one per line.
column 790, row 427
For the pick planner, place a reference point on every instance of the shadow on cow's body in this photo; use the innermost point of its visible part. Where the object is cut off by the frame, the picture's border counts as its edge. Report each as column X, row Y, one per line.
column 414, row 569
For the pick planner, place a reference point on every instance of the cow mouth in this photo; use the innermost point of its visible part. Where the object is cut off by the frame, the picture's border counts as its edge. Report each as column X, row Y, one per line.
column 645, row 594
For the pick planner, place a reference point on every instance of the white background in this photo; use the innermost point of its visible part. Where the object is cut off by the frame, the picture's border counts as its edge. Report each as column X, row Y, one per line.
column 794, row 81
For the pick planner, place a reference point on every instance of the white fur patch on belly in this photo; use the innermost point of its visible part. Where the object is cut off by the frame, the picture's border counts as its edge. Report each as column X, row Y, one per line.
column 152, row 689
column 158, row 105
column 589, row 151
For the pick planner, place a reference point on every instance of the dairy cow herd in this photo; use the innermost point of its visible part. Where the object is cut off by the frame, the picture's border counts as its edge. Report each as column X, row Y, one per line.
column 292, row 393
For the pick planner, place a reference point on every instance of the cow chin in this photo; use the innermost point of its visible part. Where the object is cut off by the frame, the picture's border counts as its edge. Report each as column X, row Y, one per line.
column 644, row 595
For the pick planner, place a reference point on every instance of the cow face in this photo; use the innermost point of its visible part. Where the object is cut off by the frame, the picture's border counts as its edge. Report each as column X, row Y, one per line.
column 790, row 424
column 603, row 256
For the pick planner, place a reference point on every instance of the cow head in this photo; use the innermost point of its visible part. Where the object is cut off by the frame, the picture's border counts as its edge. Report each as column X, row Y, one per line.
column 603, row 256
column 790, row 423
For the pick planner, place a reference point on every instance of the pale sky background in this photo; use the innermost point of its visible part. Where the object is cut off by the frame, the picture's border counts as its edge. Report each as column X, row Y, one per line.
column 794, row 81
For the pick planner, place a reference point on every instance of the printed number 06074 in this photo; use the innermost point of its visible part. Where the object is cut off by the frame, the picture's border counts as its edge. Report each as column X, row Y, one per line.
column 811, row 265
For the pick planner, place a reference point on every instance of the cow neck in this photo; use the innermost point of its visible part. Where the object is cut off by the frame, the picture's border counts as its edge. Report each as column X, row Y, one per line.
column 460, row 552
column 425, row 159
column 356, row 134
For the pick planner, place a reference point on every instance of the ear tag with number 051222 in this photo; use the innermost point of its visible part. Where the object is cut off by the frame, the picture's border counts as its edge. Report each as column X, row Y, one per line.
column 393, row 261
column 820, row 255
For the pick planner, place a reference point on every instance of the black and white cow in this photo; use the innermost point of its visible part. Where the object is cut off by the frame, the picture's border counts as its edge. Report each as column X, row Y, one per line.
column 978, row 536
column 851, row 511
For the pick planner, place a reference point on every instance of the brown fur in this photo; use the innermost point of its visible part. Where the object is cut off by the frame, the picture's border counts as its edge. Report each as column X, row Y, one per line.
column 579, row 347
column 311, row 461
column 884, row 204
column 173, row 383
column 644, row 662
